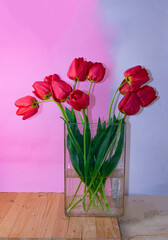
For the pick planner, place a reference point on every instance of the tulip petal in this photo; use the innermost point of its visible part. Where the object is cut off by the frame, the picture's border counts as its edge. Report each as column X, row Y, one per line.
column 51, row 78
column 129, row 104
column 82, row 71
column 74, row 105
column 30, row 113
column 55, row 77
column 96, row 72
column 132, row 71
column 42, row 89
column 25, row 101
column 73, row 69
column 22, row 111
column 125, row 88
column 78, row 100
column 60, row 90
column 89, row 65
column 27, row 112
column 48, row 79
column 140, row 78
column 146, row 95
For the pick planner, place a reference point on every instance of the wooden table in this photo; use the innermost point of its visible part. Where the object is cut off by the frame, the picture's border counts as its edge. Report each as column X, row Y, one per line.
column 41, row 216
column 145, row 218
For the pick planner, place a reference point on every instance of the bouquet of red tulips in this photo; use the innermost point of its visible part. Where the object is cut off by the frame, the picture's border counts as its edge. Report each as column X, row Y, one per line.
column 93, row 158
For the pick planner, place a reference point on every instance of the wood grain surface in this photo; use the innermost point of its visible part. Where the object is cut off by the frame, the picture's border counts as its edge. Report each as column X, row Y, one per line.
column 41, row 216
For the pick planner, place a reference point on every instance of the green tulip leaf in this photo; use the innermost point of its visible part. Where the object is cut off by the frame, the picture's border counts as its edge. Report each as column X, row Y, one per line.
column 75, row 160
column 102, row 153
column 88, row 163
column 70, row 115
column 112, row 162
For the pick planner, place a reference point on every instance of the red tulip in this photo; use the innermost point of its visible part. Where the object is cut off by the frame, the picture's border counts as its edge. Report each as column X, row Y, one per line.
column 51, row 78
column 129, row 104
column 146, row 95
column 28, row 106
column 136, row 76
column 78, row 69
column 42, row 90
column 78, row 100
column 96, row 72
column 60, row 90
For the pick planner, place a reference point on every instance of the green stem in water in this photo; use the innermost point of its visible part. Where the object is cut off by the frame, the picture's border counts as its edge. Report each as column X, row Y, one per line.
column 84, row 199
column 75, row 193
column 94, row 203
column 100, row 201
column 105, row 200
column 88, row 189
column 93, row 195
column 113, row 100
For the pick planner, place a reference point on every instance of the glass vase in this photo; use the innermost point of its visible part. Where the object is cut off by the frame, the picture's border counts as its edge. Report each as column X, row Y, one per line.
column 94, row 169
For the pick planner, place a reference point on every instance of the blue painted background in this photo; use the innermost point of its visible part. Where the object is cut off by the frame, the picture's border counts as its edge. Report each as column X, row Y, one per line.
column 136, row 32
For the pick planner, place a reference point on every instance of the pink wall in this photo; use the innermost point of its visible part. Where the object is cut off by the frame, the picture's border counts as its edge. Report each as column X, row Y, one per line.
column 38, row 38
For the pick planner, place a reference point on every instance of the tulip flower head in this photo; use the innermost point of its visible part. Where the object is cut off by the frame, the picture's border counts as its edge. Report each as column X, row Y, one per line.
column 129, row 104
column 78, row 69
column 136, row 76
column 78, row 100
column 42, row 90
column 146, row 95
column 60, row 90
column 28, row 106
column 132, row 101
column 96, row 72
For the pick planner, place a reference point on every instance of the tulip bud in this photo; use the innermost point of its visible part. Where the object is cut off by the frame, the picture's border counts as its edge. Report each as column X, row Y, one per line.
column 28, row 106
column 96, row 72
column 136, row 76
column 78, row 100
column 78, row 69
column 129, row 104
column 60, row 90
column 51, row 78
column 42, row 90
column 146, row 95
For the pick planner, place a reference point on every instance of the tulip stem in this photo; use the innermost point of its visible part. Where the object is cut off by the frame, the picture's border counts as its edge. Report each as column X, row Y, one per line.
column 91, row 82
column 47, row 100
column 62, row 111
column 80, row 117
column 75, row 84
column 113, row 100
column 84, row 140
column 75, row 193
column 118, row 115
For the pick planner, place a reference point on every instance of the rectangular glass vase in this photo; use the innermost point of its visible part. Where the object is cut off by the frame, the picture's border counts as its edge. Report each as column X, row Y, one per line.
column 106, row 194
